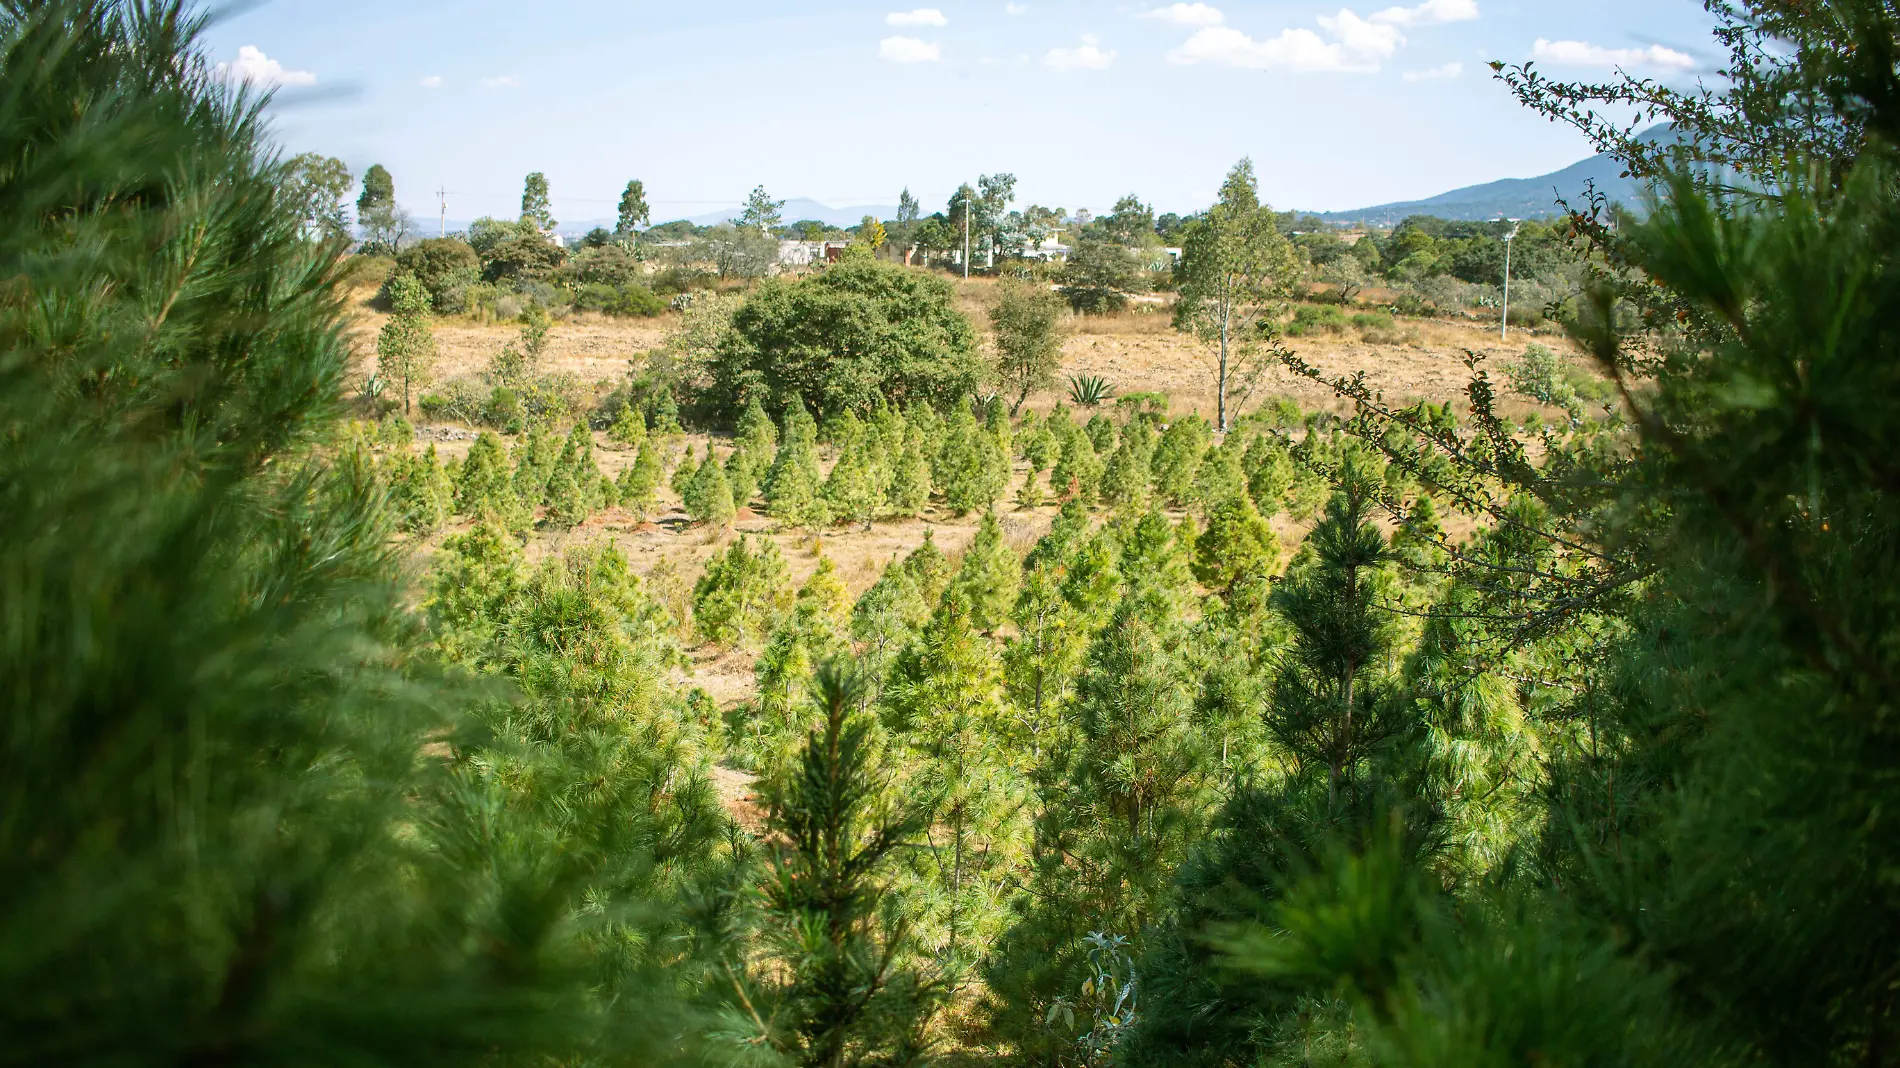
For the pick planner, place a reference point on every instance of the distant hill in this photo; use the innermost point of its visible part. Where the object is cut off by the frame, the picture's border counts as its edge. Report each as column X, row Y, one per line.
column 798, row 209
column 1514, row 198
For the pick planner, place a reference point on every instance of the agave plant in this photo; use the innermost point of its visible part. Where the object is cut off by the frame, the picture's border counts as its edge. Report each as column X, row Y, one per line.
column 1089, row 391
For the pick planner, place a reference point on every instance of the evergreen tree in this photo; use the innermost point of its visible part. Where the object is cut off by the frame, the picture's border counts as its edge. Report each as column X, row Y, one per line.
column 566, row 502
column 1128, row 798
column 1269, row 473
column 851, row 492
column 1042, row 658
column 944, row 700
column 794, row 487
column 708, row 498
column 1078, row 472
column 485, row 490
column 629, row 428
column 929, row 567
column 1031, row 494
column 249, row 819
column 663, row 414
column 687, row 468
column 971, row 469
column 534, row 458
column 986, row 582
column 1126, row 476
column 1101, row 432
column 742, row 595
column 887, row 617
column 1177, row 459
column 1237, row 545
column 909, row 491
column 639, row 479
column 755, row 429
column 812, row 633
column 1222, row 475
column 841, row 989
column 743, row 468
column 420, row 492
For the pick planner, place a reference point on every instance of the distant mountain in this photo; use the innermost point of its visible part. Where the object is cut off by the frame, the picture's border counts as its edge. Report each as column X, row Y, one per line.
column 798, row 209
column 1515, row 198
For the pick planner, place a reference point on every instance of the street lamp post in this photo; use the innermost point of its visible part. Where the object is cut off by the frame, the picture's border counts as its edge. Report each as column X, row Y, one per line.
column 1504, row 331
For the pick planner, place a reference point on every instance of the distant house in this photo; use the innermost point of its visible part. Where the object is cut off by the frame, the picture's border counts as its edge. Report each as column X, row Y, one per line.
column 808, row 253
column 800, row 253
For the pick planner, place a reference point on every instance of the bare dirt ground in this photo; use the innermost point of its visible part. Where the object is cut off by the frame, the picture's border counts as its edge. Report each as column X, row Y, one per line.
column 1136, row 351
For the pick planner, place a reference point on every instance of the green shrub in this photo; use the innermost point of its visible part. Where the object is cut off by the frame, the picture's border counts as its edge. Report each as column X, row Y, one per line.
column 444, row 266
column 635, row 301
column 595, row 297
column 1315, row 318
column 860, row 333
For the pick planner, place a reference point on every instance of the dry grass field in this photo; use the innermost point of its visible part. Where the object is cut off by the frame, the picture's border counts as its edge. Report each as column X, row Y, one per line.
column 1136, row 351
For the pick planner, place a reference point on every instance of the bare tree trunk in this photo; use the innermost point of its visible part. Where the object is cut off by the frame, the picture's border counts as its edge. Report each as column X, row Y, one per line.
column 1220, row 400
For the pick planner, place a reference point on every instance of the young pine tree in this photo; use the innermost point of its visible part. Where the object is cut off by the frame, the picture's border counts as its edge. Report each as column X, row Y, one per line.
column 971, row 469
column 987, row 579
column 638, row 480
column 909, row 490
column 1177, row 459
column 485, row 491
column 708, row 498
column 1270, row 474
column 684, row 472
column 813, row 632
column 742, row 595
column 794, row 489
column 944, row 703
column 629, row 428
column 534, row 458
column 1126, row 476
column 837, row 985
column 238, row 830
column 1078, row 471
column 420, row 491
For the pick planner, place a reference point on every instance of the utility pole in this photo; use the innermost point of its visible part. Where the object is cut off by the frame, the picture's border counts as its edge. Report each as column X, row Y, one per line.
column 1504, row 331
column 442, row 198
column 968, row 197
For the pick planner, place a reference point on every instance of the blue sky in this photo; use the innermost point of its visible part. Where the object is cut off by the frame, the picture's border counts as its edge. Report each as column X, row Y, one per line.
column 847, row 102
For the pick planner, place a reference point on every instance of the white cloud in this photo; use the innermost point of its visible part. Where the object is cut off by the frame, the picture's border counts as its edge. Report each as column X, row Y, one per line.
column 256, row 68
column 1429, row 13
column 1361, row 40
column 923, row 16
column 505, row 81
column 908, row 50
column 1585, row 54
column 1086, row 56
column 1356, row 46
column 1443, row 73
column 1195, row 14
column 433, row 81
column 1014, row 8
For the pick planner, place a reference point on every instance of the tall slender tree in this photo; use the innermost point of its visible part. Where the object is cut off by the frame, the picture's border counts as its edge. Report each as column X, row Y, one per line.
column 1234, row 264
column 634, row 212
